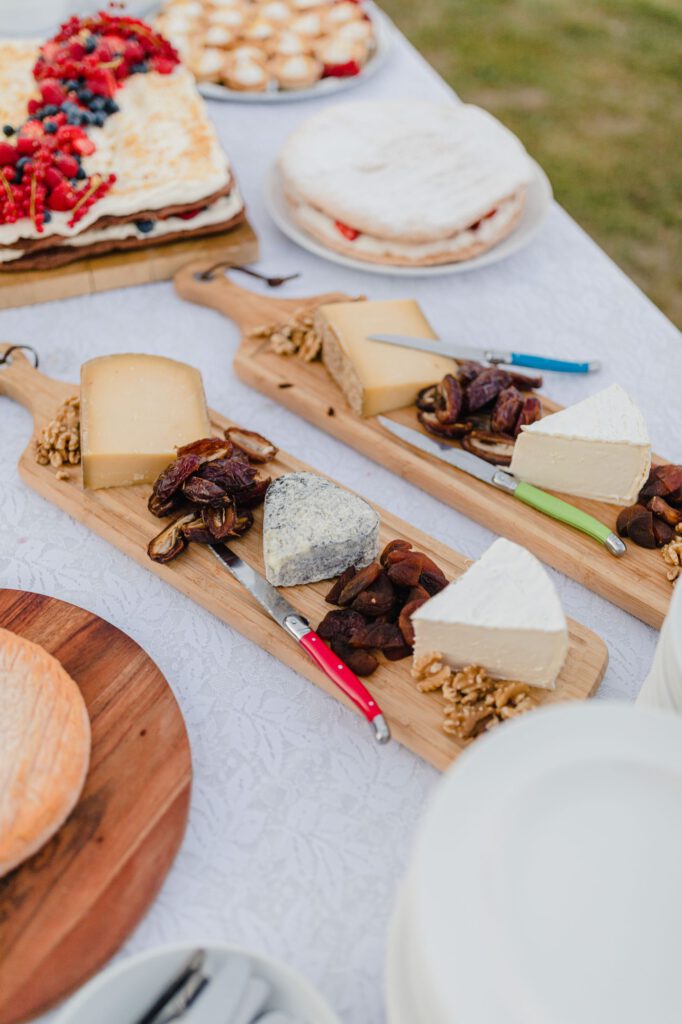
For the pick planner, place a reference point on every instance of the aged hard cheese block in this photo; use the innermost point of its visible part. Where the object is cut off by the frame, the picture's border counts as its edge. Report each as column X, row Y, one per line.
column 44, row 747
column 376, row 378
column 135, row 411
column 313, row 530
column 597, row 449
column 502, row 614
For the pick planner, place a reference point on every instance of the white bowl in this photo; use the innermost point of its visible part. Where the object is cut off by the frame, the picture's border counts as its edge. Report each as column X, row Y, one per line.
column 123, row 992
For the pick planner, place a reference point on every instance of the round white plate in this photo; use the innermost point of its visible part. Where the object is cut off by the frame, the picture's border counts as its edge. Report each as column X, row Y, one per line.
column 538, row 202
column 325, row 87
column 125, row 991
column 546, row 883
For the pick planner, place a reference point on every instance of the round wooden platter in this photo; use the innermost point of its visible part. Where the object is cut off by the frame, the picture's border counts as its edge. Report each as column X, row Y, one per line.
column 67, row 909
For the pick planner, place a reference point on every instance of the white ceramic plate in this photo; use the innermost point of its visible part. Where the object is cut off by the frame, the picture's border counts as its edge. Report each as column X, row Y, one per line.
column 123, row 992
column 546, row 883
column 538, row 202
column 325, row 87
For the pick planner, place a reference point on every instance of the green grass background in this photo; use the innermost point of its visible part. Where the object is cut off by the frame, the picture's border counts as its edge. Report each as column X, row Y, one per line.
column 594, row 90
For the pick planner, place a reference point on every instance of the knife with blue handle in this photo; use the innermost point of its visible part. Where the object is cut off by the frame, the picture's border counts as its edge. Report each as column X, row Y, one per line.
column 486, row 355
column 527, row 493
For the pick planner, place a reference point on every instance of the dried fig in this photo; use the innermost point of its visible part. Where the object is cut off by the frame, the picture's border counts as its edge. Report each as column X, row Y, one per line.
column 664, row 511
column 257, row 447
column 361, row 662
column 397, row 653
column 342, row 623
column 625, row 516
column 663, row 533
column 378, row 636
column 641, row 528
column 664, row 481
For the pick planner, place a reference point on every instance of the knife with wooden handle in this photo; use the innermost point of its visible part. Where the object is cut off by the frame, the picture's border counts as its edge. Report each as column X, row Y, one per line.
column 297, row 627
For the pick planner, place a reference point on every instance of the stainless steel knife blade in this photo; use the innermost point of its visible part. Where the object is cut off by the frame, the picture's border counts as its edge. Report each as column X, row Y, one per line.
column 458, row 458
column 267, row 596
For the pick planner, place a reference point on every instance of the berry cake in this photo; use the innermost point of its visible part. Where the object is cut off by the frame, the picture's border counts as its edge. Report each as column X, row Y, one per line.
column 405, row 183
column 269, row 45
column 105, row 144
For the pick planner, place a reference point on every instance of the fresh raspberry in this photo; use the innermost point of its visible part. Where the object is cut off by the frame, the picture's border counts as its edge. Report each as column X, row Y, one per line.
column 67, row 165
column 347, row 70
column 52, row 92
column 62, row 197
column 8, row 154
column 350, row 233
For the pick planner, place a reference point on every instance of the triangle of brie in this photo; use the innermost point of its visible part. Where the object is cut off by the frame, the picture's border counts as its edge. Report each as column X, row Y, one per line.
column 503, row 614
column 598, row 448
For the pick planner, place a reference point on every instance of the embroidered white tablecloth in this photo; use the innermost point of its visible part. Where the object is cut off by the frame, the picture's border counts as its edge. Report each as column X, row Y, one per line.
column 300, row 826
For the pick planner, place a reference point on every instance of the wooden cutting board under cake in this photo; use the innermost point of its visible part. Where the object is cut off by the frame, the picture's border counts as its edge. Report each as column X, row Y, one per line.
column 123, row 269
column 121, row 516
column 637, row 582
column 68, row 908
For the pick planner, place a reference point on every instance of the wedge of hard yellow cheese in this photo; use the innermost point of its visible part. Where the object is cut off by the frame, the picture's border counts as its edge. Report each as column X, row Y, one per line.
column 135, row 411
column 377, row 378
column 44, row 747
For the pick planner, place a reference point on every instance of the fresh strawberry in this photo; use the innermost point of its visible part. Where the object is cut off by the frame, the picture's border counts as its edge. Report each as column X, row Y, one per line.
column 84, row 146
column 350, row 233
column 53, row 178
column 347, row 70
column 27, row 145
column 68, row 165
column 62, row 197
column 34, row 106
column 102, row 82
column 134, row 51
column 52, row 92
column 8, row 154
column 164, row 65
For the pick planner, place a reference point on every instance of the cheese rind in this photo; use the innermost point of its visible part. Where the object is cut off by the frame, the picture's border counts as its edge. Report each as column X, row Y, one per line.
column 598, row 448
column 314, row 530
column 135, row 411
column 503, row 614
column 377, row 378
column 44, row 747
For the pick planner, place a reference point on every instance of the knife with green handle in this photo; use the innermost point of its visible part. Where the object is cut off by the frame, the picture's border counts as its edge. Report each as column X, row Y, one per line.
column 527, row 493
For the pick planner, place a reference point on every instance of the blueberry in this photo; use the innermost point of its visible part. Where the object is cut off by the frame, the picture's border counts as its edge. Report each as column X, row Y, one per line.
column 99, row 118
column 90, row 44
column 74, row 119
column 145, row 226
column 85, row 95
column 139, row 69
column 85, row 118
column 8, row 130
column 99, row 103
column 80, row 174
column 71, row 85
column 50, row 110
column 22, row 161
column 47, row 216
column 50, row 127
column 111, row 106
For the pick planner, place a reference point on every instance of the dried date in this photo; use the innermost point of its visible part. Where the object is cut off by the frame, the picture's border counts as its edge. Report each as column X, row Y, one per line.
column 197, row 531
column 530, row 413
column 494, row 448
column 253, row 495
column 173, row 477
column 205, row 492
column 486, row 387
column 449, row 400
column 451, row 431
column 426, row 398
column 468, row 371
column 207, row 448
column 220, row 521
column 230, row 474
column 171, row 541
column 507, row 410
column 257, row 447
column 159, row 508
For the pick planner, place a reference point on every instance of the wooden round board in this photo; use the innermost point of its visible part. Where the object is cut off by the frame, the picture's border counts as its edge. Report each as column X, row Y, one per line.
column 67, row 909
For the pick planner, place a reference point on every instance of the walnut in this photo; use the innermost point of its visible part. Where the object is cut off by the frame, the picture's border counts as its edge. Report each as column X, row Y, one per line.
column 430, row 672
column 58, row 443
column 296, row 336
column 672, row 555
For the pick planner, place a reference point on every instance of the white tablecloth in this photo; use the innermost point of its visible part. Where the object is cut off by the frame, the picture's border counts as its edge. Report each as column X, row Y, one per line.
column 300, row 826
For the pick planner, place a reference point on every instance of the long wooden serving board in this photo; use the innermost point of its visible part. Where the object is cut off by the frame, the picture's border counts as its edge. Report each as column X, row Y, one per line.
column 120, row 515
column 68, row 908
column 637, row 582
column 122, row 269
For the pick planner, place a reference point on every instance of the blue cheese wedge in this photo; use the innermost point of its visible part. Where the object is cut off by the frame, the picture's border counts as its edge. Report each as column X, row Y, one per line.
column 502, row 614
column 598, row 448
column 314, row 530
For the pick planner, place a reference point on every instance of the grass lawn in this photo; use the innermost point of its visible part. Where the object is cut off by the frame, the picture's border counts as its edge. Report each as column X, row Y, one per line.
column 594, row 90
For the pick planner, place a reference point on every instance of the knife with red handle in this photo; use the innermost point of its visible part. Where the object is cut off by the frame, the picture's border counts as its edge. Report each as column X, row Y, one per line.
column 297, row 627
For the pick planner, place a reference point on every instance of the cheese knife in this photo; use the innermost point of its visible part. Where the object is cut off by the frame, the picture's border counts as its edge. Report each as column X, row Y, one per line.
column 297, row 627
column 527, row 493
column 486, row 355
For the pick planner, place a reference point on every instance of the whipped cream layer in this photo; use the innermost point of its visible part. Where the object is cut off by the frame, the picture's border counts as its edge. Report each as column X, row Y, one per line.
column 320, row 225
column 161, row 146
column 410, row 172
column 222, row 211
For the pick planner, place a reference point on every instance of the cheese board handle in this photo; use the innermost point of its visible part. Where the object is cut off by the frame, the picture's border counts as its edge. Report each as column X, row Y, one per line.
column 23, row 383
column 248, row 309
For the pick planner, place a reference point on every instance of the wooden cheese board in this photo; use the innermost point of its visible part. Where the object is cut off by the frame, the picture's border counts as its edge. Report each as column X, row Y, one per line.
column 120, row 515
column 637, row 582
column 122, row 269
column 67, row 909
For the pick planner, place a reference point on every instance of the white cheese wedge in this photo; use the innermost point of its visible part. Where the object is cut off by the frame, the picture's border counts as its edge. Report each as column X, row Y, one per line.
column 503, row 614
column 314, row 530
column 596, row 449
column 44, row 747
column 135, row 411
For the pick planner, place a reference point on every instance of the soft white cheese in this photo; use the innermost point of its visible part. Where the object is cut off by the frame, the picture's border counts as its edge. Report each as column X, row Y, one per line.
column 596, row 449
column 503, row 614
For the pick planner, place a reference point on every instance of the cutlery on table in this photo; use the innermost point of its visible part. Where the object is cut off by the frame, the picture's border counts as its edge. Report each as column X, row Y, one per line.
column 180, row 993
column 222, row 1001
column 527, row 493
column 486, row 355
column 297, row 627
column 253, row 1002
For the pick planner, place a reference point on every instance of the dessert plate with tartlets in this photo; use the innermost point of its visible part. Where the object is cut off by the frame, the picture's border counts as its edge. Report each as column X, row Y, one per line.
column 539, row 198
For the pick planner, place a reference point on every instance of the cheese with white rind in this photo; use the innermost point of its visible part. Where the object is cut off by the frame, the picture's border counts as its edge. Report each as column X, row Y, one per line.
column 44, row 747
column 598, row 448
column 135, row 411
column 374, row 377
column 503, row 614
column 314, row 530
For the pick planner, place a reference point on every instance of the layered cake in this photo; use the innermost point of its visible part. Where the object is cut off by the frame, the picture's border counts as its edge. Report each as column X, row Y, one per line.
column 269, row 45
column 105, row 145
column 406, row 183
